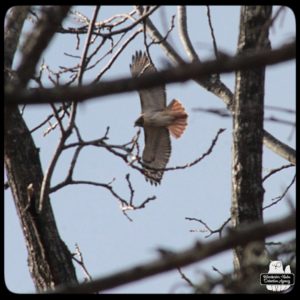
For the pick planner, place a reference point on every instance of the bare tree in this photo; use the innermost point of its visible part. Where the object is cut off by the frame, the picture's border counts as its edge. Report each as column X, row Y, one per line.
column 49, row 260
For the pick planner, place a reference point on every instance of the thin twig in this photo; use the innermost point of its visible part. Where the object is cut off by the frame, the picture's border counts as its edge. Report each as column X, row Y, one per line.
column 185, row 278
column 95, row 52
column 45, row 121
column 123, row 18
column 218, row 88
column 267, row 25
column 116, row 55
column 282, row 109
column 221, row 112
column 80, row 17
column 165, row 37
column 126, row 29
column 273, row 171
column 156, row 36
column 130, row 188
column 211, row 231
column 68, row 131
column 55, row 113
column 196, row 161
column 218, row 271
column 81, row 262
column 198, row 252
column 101, row 25
column 73, row 162
column 279, row 198
column 125, row 156
column 177, row 74
column 281, row 121
column 212, row 32
column 38, row 39
column 86, row 46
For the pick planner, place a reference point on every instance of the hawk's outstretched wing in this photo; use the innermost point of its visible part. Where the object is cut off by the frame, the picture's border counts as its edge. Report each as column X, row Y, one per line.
column 156, row 153
column 157, row 149
column 151, row 99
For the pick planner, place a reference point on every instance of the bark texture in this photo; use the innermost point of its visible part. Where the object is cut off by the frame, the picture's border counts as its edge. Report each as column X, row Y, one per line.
column 49, row 260
column 248, row 114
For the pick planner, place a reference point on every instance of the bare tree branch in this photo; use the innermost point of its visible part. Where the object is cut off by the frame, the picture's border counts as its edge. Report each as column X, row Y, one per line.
column 83, row 63
column 268, row 25
column 211, row 231
column 156, row 36
column 211, row 83
column 215, row 86
column 116, row 55
column 68, row 131
column 177, row 74
column 185, row 278
column 222, row 112
column 143, row 17
column 280, row 148
column 39, row 39
column 101, row 25
column 282, row 109
column 194, row 254
column 125, row 205
column 14, row 23
column 155, row 42
column 139, row 159
column 277, row 170
column 80, row 261
column 196, row 161
column 279, row 198
column 230, row 284
column 123, row 18
column 212, row 32
column 184, row 36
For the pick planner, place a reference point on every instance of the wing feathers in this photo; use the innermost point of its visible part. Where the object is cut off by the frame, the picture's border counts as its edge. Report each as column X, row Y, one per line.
column 178, row 126
column 156, row 152
column 151, row 99
column 157, row 148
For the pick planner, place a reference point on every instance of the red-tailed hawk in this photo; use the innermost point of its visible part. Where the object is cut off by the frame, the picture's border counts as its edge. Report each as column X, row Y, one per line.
column 157, row 119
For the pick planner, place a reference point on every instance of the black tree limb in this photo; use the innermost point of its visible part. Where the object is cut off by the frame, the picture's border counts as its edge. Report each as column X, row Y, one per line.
column 191, row 255
column 177, row 74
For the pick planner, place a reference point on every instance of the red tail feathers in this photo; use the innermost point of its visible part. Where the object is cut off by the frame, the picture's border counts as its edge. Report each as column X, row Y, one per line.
column 180, row 118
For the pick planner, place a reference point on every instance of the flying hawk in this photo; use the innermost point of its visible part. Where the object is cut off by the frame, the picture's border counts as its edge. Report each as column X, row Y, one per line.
column 157, row 119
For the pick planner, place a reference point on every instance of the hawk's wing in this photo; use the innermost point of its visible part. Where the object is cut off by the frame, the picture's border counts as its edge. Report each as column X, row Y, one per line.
column 151, row 99
column 156, row 152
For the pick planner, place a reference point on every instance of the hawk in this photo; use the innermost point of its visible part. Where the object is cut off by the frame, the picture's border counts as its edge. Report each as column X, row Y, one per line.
column 158, row 121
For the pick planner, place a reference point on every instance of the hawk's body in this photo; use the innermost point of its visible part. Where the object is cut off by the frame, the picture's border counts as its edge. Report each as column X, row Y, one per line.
column 157, row 119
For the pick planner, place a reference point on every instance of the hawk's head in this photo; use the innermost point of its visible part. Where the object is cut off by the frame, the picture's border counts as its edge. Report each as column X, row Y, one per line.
column 139, row 122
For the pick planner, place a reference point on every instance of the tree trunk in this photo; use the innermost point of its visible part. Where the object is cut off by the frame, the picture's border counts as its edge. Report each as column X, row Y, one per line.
column 49, row 260
column 248, row 114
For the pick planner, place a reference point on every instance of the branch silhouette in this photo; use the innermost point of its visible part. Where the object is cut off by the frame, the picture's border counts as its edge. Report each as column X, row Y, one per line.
column 176, row 74
column 191, row 255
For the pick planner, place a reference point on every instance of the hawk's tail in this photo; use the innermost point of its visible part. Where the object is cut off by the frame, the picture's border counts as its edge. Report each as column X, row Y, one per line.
column 180, row 118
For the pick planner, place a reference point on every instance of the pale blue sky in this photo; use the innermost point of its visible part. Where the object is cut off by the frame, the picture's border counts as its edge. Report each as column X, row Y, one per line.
column 92, row 217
